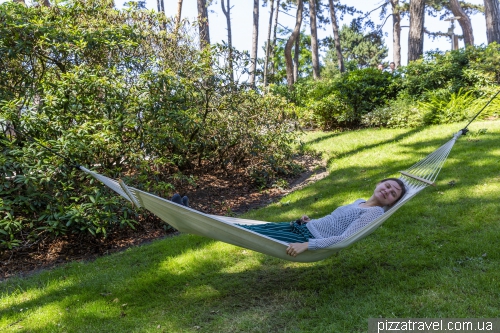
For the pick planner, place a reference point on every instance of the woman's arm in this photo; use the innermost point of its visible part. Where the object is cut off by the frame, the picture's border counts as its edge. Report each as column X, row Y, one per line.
column 295, row 249
column 365, row 219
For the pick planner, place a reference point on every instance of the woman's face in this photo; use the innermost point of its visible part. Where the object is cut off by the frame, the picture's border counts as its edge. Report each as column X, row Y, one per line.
column 387, row 192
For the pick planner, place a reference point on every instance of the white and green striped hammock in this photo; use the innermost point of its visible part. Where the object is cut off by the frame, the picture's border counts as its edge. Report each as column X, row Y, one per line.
column 223, row 228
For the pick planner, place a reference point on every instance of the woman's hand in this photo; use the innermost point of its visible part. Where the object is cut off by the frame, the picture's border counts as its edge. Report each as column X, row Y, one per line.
column 305, row 218
column 295, row 249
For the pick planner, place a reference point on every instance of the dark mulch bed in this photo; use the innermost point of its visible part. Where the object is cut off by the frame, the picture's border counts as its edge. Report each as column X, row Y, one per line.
column 216, row 193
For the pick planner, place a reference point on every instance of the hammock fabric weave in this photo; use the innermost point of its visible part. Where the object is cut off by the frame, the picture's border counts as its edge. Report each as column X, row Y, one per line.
column 223, row 228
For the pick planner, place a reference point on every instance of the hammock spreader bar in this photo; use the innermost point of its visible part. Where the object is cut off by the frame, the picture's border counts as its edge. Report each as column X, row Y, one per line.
column 224, row 229
column 404, row 173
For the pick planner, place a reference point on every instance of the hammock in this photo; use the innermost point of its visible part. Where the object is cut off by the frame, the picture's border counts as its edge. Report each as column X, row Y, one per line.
column 223, row 228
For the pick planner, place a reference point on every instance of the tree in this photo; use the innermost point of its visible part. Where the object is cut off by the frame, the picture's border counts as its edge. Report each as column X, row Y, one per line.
column 453, row 10
column 416, row 34
column 464, row 21
column 268, row 43
column 255, row 41
column 227, row 13
column 275, row 29
column 178, row 15
column 358, row 49
column 314, row 39
column 304, row 67
column 139, row 5
column 161, row 6
column 396, row 33
column 203, row 24
column 296, row 58
column 492, row 14
column 290, row 43
column 336, row 37
column 396, row 11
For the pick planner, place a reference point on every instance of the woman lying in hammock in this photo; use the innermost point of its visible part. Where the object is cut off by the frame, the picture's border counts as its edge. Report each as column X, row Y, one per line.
column 312, row 234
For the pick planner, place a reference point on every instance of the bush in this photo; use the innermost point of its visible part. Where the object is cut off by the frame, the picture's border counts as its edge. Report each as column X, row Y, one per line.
column 399, row 113
column 485, row 60
column 443, row 107
column 331, row 112
column 343, row 100
column 470, row 69
column 366, row 89
column 118, row 92
column 441, row 88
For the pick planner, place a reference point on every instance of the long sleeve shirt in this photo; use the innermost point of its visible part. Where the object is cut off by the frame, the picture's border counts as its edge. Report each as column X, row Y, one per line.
column 340, row 224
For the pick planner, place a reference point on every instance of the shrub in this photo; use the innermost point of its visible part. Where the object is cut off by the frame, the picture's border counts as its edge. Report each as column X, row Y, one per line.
column 331, row 111
column 435, row 71
column 118, row 92
column 485, row 60
column 473, row 68
column 443, row 107
column 399, row 113
column 343, row 100
column 366, row 89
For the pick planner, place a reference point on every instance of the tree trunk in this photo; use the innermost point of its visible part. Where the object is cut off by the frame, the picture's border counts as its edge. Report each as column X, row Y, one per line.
column 268, row 44
column 275, row 29
column 227, row 13
column 416, row 35
column 203, row 24
column 464, row 21
column 336, row 37
column 178, row 15
column 255, row 40
column 296, row 51
column 314, row 40
column 396, row 33
column 20, row 1
column 158, row 5
column 290, row 42
column 162, row 3
column 45, row 3
column 492, row 14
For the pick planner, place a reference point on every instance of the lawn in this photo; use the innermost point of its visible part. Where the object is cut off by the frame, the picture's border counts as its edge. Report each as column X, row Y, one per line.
column 436, row 257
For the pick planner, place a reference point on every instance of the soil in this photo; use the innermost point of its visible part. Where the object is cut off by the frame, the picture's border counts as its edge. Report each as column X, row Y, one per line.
column 221, row 193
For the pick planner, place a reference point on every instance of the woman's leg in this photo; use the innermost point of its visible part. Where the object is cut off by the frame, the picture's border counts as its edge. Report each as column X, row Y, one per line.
column 181, row 201
column 177, row 199
column 281, row 231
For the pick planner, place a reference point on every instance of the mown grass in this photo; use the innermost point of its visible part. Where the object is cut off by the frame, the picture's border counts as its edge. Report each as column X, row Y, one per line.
column 436, row 257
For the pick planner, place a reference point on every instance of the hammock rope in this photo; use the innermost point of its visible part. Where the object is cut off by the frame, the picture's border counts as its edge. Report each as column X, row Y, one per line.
column 427, row 169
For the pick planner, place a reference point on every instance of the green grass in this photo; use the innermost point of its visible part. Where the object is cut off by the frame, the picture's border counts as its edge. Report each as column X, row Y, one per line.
column 436, row 257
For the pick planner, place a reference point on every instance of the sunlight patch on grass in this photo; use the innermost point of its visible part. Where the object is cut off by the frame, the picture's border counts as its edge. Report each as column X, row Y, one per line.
column 200, row 292
column 250, row 262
